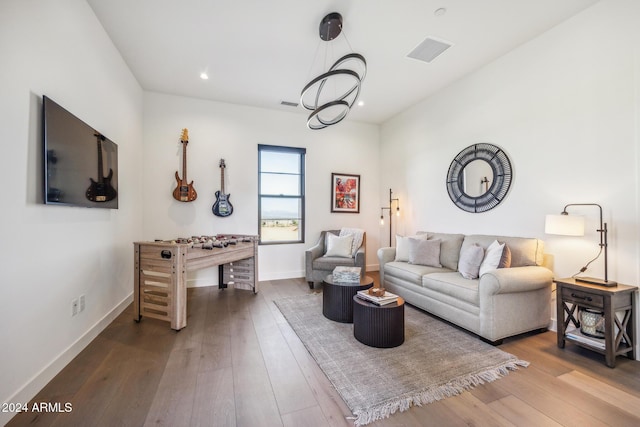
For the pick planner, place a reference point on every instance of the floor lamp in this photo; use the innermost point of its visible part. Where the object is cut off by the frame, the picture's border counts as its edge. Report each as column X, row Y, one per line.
column 391, row 200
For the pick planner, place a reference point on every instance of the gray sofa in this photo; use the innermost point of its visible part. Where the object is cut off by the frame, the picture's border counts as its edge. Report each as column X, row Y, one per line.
column 501, row 303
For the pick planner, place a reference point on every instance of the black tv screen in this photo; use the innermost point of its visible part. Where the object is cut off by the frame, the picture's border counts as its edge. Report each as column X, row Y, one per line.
column 80, row 163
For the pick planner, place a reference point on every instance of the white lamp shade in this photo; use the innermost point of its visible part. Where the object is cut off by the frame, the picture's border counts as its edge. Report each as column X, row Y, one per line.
column 565, row 225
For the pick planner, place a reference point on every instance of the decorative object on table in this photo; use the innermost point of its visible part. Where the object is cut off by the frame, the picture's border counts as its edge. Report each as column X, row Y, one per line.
column 331, row 95
column 591, row 322
column 567, row 225
column 391, row 200
column 345, row 193
column 222, row 206
column 376, row 383
column 184, row 191
column 377, row 296
column 476, row 165
column 347, row 274
column 101, row 190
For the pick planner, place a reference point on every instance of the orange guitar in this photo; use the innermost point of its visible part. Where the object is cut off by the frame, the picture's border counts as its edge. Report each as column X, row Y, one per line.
column 184, row 192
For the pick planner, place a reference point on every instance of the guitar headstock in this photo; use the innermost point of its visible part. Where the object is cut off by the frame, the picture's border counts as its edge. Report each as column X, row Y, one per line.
column 222, row 165
column 185, row 135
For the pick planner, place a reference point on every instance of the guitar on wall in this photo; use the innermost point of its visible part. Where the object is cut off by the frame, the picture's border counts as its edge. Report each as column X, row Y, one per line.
column 222, row 206
column 184, row 192
column 101, row 190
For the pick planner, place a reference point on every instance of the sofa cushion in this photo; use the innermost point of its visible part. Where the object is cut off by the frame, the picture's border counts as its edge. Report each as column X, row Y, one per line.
column 449, row 248
column 339, row 246
column 454, row 285
column 410, row 272
column 424, row 252
column 470, row 260
column 524, row 251
column 492, row 257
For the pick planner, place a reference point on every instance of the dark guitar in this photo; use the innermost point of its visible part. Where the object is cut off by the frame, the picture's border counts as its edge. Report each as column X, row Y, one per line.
column 184, row 191
column 101, row 190
column 222, row 206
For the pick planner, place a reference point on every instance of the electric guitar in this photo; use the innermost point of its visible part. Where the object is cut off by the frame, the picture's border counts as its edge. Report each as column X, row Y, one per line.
column 101, row 190
column 184, row 192
column 222, row 206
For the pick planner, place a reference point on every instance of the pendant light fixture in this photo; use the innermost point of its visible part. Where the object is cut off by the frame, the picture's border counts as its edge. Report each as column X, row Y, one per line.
column 331, row 95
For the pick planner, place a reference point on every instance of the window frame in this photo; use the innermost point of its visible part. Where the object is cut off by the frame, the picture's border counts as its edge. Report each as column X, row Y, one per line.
column 282, row 149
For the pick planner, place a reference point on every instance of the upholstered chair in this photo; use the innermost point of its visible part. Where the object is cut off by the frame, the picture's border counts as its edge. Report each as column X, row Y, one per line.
column 321, row 259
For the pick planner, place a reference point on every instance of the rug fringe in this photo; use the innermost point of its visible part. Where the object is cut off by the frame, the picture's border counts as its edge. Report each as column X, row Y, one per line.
column 449, row 389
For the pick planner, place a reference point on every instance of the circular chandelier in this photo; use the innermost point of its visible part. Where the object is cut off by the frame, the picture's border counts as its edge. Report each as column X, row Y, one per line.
column 331, row 95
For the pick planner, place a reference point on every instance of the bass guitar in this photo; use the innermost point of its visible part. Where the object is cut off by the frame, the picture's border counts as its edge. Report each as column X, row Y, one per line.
column 184, row 191
column 101, row 190
column 222, row 206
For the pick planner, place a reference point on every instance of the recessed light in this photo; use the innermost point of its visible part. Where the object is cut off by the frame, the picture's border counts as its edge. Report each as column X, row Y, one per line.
column 204, row 76
column 440, row 12
column 360, row 103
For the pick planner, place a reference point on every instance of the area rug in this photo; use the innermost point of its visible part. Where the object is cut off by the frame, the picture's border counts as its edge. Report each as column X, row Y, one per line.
column 436, row 360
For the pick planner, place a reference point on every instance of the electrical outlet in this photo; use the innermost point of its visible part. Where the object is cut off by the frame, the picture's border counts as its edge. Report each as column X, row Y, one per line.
column 74, row 307
column 82, row 303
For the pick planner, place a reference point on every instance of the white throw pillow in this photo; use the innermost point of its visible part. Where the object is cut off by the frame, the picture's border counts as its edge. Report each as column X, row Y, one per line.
column 492, row 257
column 339, row 246
column 402, row 246
column 470, row 260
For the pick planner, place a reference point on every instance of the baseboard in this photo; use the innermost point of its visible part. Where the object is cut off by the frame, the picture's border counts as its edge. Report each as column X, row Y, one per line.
column 42, row 378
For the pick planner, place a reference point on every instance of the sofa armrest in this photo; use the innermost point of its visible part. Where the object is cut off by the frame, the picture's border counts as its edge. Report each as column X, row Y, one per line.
column 385, row 255
column 311, row 254
column 360, row 260
column 516, row 279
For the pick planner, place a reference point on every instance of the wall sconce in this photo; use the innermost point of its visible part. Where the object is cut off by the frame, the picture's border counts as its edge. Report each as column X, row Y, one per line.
column 391, row 200
column 566, row 225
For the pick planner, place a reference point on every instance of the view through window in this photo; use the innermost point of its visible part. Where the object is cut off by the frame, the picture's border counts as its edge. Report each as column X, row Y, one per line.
column 281, row 194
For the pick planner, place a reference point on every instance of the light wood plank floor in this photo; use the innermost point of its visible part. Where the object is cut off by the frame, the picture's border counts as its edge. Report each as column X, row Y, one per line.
column 238, row 363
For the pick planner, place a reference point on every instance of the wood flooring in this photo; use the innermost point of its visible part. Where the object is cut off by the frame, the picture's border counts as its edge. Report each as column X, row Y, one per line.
column 239, row 363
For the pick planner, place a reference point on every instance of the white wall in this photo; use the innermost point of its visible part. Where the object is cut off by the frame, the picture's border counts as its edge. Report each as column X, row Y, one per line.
column 565, row 107
column 52, row 254
column 232, row 132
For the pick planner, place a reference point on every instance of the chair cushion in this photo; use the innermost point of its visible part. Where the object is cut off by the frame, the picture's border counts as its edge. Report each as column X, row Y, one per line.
column 328, row 263
column 339, row 246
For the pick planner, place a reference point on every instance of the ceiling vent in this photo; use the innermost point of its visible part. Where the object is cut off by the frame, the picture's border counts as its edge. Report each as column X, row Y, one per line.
column 289, row 104
column 429, row 49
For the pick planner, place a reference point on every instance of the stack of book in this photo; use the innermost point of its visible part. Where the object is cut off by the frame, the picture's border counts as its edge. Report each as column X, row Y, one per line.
column 387, row 298
column 576, row 335
column 346, row 274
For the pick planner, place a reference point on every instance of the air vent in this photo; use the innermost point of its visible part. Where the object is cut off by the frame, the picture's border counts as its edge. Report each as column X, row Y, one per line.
column 289, row 104
column 429, row 49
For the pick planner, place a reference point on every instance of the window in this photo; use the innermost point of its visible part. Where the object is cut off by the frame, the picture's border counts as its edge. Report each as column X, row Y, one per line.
column 281, row 194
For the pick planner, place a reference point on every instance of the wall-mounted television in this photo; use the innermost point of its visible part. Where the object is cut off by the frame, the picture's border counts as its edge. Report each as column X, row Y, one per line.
column 80, row 163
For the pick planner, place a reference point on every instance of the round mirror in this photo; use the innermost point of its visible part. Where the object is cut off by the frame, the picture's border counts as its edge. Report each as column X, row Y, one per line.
column 479, row 178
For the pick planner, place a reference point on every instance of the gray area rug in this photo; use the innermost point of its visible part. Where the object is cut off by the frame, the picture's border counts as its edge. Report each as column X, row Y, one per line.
column 436, row 360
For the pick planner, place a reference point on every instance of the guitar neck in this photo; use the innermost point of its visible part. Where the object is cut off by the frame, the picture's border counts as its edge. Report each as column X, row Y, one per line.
column 222, row 180
column 184, row 161
column 100, row 170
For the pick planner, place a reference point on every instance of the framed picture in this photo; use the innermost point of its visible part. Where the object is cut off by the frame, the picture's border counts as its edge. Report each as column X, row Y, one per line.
column 345, row 193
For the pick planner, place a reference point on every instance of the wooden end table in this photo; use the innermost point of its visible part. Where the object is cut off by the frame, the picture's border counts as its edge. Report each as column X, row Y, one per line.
column 618, row 333
column 337, row 298
column 379, row 326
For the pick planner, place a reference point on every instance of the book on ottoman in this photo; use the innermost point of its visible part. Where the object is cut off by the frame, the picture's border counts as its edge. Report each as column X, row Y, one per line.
column 387, row 298
column 346, row 274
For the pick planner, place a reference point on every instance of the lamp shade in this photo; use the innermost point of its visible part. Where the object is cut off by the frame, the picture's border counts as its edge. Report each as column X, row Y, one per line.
column 565, row 225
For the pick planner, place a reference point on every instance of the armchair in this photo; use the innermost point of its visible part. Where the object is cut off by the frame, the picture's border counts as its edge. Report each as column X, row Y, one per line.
column 318, row 265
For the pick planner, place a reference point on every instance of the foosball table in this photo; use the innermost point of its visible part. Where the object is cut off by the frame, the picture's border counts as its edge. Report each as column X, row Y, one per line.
column 161, row 266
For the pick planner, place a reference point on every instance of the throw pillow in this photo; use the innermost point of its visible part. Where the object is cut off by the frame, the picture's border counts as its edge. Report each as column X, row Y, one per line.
column 505, row 260
column 424, row 252
column 339, row 246
column 492, row 257
column 470, row 260
column 402, row 246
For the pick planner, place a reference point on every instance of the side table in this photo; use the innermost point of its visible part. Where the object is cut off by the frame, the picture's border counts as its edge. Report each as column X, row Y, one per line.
column 379, row 326
column 337, row 302
column 619, row 334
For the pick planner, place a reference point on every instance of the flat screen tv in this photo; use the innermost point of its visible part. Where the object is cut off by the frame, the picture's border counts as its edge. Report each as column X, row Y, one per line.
column 80, row 163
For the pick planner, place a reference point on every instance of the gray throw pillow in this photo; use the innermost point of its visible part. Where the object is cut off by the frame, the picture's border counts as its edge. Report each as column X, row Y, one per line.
column 470, row 260
column 424, row 252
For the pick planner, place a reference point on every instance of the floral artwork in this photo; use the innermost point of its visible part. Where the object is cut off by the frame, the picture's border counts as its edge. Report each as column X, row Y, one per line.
column 345, row 193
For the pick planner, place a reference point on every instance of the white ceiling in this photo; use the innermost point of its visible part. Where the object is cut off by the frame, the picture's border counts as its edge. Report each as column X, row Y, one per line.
column 260, row 52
